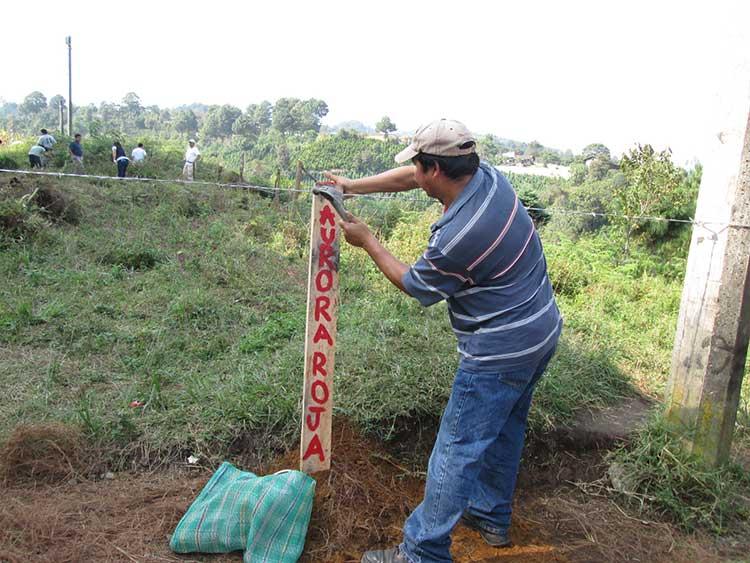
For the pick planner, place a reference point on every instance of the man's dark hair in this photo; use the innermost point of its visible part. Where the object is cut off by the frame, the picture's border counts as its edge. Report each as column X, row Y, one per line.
column 140, row 145
column 76, row 135
column 43, row 131
column 454, row 167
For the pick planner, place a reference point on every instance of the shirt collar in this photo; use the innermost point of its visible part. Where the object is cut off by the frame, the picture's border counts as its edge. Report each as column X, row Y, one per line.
column 480, row 176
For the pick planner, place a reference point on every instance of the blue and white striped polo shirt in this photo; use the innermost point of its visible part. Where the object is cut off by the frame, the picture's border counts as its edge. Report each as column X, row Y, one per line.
column 486, row 260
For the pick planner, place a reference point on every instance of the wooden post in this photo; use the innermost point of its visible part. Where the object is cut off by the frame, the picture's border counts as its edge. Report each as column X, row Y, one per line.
column 298, row 179
column 276, row 185
column 242, row 168
column 320, row 338
column 713, row 327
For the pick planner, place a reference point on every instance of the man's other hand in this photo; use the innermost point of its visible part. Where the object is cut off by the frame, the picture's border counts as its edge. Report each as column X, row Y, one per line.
column 344, row 184
column 355, row 231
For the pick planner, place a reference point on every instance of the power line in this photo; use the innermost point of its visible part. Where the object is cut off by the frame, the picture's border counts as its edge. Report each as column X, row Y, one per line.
column 393, row 197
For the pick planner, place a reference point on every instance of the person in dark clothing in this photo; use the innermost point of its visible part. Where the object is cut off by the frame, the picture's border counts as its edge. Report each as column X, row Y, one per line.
column 119, row 158
column 76, row 152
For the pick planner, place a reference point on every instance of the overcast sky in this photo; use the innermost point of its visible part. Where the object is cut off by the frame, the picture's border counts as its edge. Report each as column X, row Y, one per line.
column 565, row 73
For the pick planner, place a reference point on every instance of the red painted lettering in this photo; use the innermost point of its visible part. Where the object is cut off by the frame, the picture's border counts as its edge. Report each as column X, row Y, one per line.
column 322, row 334
column 314, row 448
column 327, row 216
column 324, row 256
column 328, row 235
column 321, row 308
column 319, row 364
column 324, row 280
column 321, row 397
column 313, row 424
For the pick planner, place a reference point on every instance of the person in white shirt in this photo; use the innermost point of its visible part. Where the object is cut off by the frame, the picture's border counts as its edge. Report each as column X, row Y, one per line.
column 47, row 141
column 192, row 154
column 139, row 155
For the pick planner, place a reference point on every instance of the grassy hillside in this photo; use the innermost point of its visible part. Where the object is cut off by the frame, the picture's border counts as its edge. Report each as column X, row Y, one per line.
column 191, row 301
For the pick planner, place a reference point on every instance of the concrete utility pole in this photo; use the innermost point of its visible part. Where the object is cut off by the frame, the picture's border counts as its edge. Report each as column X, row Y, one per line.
column 70, row 87
column 713, row 327
column 61, row 113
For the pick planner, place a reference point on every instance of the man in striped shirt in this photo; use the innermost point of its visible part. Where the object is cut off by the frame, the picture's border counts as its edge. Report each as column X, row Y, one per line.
column 484, row 257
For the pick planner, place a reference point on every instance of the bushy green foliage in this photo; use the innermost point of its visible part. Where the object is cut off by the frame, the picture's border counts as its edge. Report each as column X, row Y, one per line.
column 353, row 154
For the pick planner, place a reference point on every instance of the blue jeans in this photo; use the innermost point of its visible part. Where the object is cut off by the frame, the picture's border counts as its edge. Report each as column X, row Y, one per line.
column 474, row 463
column 122, row 166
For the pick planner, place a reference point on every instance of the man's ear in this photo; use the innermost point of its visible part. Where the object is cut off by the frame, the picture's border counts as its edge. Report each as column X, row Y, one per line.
column 435, row 172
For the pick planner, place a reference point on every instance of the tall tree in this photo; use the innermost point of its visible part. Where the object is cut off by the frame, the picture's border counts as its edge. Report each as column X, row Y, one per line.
column 652, row 187
column 185, row 122
column 54, row 103
column 260, row 114
column 34, row 103
column 219, row 120
column 385, row 126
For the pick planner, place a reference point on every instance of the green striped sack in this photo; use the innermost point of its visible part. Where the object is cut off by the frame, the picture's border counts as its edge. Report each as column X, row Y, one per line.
column 267, row 517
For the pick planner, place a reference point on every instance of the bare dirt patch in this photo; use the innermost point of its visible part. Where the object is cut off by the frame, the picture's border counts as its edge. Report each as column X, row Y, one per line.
column 360, row 504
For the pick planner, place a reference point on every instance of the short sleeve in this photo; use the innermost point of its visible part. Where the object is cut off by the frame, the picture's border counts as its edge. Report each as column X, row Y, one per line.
column 434, row 277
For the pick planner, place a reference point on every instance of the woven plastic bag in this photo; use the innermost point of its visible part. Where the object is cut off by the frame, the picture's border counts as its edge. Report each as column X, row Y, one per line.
column 267, row 517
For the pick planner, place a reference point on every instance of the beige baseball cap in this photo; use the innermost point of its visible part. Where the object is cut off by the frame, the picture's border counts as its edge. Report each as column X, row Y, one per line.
column 444, row 137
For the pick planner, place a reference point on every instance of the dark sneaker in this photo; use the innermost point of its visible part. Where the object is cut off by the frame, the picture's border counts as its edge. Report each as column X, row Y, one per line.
column 392, row 555
column 495, row 539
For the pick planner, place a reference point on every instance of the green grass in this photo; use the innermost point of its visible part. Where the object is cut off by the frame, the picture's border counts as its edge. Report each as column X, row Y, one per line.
column 659, row 476
column 191, row 300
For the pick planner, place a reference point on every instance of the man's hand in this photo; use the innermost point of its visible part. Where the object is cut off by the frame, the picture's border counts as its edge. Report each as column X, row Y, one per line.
column 356, row 232
column 345, row 184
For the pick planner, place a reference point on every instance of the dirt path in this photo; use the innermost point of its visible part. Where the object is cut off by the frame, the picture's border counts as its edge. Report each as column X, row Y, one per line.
column 361, row 503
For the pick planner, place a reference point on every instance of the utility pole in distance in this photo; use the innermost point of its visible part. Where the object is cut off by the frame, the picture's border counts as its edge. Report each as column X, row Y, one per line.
column 713, row 328
column 70, row 88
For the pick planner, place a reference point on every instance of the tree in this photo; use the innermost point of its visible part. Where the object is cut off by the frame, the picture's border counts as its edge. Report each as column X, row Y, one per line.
column 260, row 114
column 385, row 126
column 246, row 126
column 185, row 122
column 549, row 157
column 292, row 115
column 599, row 166
column 219, row 120
column 33, row 103
column 595, row 149
column 54, row 103
column 308, row 113
column 653, row 187
column 131, row 103
column 283, row 119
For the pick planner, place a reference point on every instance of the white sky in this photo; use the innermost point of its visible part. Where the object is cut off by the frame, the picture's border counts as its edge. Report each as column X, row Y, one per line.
column 565, row 73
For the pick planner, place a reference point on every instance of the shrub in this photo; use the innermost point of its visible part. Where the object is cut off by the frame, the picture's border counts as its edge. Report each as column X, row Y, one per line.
column 8, row 163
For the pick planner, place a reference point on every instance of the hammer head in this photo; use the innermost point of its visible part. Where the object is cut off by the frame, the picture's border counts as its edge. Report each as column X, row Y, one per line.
column 334, row 196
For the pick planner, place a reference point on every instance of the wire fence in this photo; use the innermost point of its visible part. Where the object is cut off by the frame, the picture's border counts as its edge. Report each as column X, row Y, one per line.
column 417, row 198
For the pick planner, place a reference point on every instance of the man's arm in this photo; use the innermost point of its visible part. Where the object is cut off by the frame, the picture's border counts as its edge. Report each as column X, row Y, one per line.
column 395, row 180
column 357, row 234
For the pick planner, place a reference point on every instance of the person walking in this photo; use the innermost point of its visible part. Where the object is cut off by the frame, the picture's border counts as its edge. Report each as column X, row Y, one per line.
column 76, row 152
column 119, row 158
column 35, row 156
column 192, row 154
column 485, row 259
